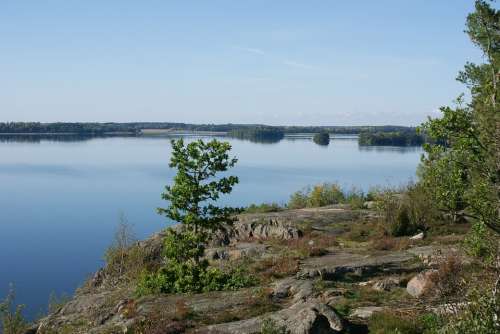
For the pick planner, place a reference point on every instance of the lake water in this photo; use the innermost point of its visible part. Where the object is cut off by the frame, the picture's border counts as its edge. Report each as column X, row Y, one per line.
column 60, row 201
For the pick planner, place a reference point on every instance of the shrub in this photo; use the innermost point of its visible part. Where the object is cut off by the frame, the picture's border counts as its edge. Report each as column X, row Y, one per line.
column 11, row 315
column 479, row 243
column 263, row 208
column 325, row 194
column 190, row 277
column 183, row 246
column 125, row 259
column 448, row 280
column 320, row 195
column 298, row 200
column 406, row 211
column 422, row 210
column 402, row 225
column 355, row 198
column 480, row 315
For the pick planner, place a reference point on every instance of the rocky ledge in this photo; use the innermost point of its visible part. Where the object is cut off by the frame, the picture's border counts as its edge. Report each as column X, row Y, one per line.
column 307, row 267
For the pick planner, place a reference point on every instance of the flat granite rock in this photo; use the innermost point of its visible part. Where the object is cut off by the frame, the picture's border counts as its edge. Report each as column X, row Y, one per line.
column 300, row 318
column 339, row 263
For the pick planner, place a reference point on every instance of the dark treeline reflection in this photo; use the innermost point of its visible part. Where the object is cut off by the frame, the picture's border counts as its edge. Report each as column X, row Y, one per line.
column 53, row 137
column 381, row 149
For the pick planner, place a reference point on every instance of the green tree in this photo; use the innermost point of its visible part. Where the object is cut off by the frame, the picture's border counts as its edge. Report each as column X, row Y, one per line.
column 322, row 138
column 192, row 197
column 461, row 167
column 196, row 188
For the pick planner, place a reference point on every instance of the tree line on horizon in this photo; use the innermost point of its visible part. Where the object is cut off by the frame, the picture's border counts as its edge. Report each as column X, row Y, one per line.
column 136, row 127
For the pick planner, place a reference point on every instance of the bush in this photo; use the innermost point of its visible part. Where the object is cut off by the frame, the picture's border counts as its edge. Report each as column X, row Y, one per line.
column 125, row 259
column 183, row 246
column 320, row 195
column 480, row 316
column 355, row 198
column 448, row 280
column 479, row 243
column 298, row 200
column 325, row 194
column 406, row 211
column 189, row 277
column 263, row 208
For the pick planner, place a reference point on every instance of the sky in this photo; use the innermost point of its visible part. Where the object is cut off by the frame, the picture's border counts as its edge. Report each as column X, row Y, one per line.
column 279, row 62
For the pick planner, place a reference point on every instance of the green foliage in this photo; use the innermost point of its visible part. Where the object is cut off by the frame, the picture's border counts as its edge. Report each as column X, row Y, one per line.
column 183, row 246
column 355, row 198
column 322, row 138
column 320, row 195
column 479, row 316
column 399, row 138
column 389, row 323
column 298, row 200
column 479, row 242
column 392, row 323
column 263, row 208
column 406, row 210
column 192, row 200
column 136, row 127
column 261, row 134
column 461, row 165
column 396, row 218
column 196, row 187
column 11, row 315
column 190, row 277
column 402, row 225
column 269, row 326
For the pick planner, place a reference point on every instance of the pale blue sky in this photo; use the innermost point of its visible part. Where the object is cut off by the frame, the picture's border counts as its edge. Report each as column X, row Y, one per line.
column 254, row 61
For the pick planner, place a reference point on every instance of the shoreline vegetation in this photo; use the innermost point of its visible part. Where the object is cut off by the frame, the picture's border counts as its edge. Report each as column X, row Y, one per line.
column 367, row 135
column 138, row 127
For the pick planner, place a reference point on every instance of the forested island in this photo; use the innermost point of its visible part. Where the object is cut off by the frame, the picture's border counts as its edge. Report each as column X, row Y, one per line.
column 409, row 137
column 322, row 138
column 258, row 134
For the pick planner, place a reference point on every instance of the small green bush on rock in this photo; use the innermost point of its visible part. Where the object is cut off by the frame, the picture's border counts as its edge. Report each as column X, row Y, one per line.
column 188, row 277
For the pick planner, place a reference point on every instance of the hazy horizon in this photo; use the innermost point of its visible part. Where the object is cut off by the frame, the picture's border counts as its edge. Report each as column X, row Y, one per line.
column 279, row 63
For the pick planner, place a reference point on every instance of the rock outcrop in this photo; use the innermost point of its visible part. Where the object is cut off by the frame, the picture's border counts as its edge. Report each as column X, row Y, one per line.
column 338, row 264
column 301, row 318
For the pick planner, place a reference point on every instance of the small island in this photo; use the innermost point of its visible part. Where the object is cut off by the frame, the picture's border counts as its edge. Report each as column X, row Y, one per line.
column 322, row 138
column 261, row 134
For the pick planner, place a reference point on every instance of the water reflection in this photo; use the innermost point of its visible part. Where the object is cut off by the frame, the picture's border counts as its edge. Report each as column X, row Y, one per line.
column 395, row 149
column 38, row 138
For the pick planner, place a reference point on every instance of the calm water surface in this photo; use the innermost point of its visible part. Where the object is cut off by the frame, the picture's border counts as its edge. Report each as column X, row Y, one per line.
column 60, row 201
